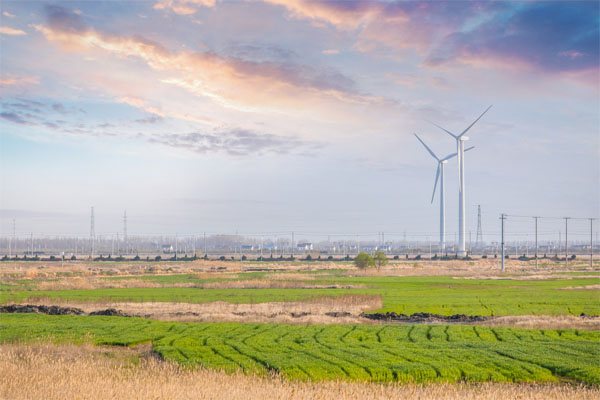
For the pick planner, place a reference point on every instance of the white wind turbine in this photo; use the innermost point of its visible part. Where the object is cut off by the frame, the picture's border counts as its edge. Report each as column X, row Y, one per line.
column 460, row 139
column 438, row 174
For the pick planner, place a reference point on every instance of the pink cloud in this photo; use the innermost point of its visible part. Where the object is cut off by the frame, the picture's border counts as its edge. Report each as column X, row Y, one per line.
column 183, row 7
column 17, row 80
column 229, row 81
column 572, row 54
column 5, row 30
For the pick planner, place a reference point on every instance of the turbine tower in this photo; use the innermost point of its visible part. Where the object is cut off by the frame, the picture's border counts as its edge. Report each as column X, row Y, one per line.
column 440, row 174
column 460, row 143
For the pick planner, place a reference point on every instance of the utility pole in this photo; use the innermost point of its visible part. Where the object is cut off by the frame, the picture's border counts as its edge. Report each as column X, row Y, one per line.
column 429, row 247
column 357, row 245
column 14, row 240
column 92, row 234
column 292, row 249
column 536, row 241
column 31, row 252
column 567, row 241
column 591, row 242
column 176, row 240
column 125, row 231
column 502, row 217
column 205, row 244
column 470, row 247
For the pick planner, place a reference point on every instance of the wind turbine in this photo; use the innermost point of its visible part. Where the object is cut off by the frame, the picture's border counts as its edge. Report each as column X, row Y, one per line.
column 438, row 174
column 460, row 139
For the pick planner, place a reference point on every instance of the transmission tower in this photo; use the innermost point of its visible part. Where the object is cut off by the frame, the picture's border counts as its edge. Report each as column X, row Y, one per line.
column 479, row 238
column 92, row 234
column 125, row 232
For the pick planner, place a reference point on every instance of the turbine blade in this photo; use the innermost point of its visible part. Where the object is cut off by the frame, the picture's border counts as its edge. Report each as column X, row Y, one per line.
column 428, row 149
column 470, row 148
column 470, row 126
column 448, row 132
column 437, row 176
column 449, row 157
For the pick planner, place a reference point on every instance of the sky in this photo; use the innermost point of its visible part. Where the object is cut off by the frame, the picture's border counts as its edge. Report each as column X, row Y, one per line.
column 272, row 116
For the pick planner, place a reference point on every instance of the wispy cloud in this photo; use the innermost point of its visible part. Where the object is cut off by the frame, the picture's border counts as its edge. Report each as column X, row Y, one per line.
column 8, row 15
column 19, row 80
column 235, row 142
column 15, row 118
column 553, row 37
column 183, row 7
column 228, row 80
column 5, row 30
column 406, row 25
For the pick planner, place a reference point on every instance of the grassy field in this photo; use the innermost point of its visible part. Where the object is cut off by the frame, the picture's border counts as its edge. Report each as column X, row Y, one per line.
column 99, row 372
column 444, row 295
column 384, row 353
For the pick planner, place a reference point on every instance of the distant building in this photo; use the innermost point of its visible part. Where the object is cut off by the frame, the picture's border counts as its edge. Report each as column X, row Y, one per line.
column 167, row 248
column 304, row 246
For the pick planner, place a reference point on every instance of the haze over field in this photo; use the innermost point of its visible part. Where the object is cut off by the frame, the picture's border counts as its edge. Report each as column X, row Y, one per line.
column 272, row 115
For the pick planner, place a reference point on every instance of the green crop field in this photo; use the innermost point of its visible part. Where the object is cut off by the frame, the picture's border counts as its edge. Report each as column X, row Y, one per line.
column 382, row 353
column 435, row 294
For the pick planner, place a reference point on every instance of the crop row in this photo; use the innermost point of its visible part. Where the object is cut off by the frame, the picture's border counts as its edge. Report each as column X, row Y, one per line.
column 382, row 353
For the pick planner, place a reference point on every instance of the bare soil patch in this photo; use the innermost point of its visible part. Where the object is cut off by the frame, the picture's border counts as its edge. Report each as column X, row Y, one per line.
column 426, row 318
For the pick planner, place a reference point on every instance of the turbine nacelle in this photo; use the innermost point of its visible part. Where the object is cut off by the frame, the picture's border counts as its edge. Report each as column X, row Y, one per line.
column 460, row 139
column 441, row 162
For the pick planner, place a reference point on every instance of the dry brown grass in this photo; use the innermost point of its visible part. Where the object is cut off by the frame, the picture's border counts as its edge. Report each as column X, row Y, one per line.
column 313, row 312
column 226, row 269
column 95, row 282
column 43, row 371
column 306, row 312
column 587, row 287
column 544, row 322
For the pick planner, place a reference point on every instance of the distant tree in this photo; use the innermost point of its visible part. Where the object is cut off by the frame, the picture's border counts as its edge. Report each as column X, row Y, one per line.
column 380, row 259
column 157, row 258
column 363, row 261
